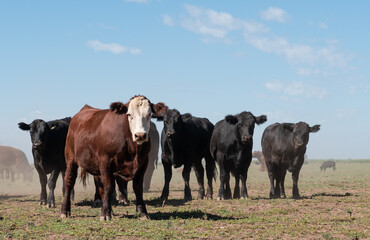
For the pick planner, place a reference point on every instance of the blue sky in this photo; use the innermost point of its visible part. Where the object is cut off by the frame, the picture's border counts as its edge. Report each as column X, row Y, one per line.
column 291, row 60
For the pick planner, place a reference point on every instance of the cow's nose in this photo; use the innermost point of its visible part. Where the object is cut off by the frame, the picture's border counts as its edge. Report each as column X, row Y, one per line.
column 299, row 144
column 169, row 133
column 37, row 145
column 140, row 135
column 247, row 138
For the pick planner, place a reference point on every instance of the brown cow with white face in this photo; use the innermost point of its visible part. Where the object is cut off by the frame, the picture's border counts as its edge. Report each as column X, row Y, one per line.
column 108, row 143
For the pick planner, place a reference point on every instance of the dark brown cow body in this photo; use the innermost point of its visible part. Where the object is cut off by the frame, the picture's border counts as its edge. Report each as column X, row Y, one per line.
column 108, row 143
column 14, row 161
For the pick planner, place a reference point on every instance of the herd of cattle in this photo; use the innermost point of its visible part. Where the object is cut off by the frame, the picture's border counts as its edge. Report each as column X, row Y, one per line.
column 121, row 143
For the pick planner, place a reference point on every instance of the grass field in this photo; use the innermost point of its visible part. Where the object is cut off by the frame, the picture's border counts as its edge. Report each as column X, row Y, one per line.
column 334, row 205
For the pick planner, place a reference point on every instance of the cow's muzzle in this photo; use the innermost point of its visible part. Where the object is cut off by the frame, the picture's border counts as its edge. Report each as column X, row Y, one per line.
column 170, row 133
column 37, row 145
column 140, row 137
column 246, row 139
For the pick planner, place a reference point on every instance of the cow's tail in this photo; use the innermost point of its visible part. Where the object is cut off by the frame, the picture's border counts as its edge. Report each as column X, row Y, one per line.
column 83, row 177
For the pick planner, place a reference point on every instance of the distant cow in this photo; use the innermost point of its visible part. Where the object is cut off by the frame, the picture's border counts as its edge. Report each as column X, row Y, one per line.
column 261, row 159
column 14, row 161
column 185, row 141
column 48, row 142
column 231, row 146
column 327, row 164
column 153, row 159
column 284, row 146
column 107, row 143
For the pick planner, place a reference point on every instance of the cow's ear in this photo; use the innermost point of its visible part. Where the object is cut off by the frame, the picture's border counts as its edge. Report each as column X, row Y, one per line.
column 315, row 128
column 119, row 107
column 158, row 110
column 24, row 126
column 231, row 119
column 261, row 119
column 186, row 116
column 289, row 126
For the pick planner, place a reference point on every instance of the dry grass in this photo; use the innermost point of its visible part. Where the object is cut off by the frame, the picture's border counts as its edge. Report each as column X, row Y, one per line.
column 334, row 205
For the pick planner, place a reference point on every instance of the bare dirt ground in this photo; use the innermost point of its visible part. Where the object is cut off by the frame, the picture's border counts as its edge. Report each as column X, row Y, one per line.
column 334, row 205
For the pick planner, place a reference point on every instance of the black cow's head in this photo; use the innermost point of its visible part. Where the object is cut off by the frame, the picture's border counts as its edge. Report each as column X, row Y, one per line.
column 39, row 131
column 301, row 132
column 245, row 122
column 172, row 123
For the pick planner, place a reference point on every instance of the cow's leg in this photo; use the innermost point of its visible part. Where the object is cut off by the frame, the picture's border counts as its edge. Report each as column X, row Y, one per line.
column 221, row 190
column 237, row 186
column 224, row 192
column 43, row 181
column 109, row 184
column 186, row 178
column 70, row 180
column 167, row 167
column 51, row 184
column 282, row 173
column 244, row 191
column 138, row 189
column 295, row 176
column 199, row 173
column 64, row 187
column 148, row 176
column 210, row 170
column 97, row 197
column 122, row 187
column 271, row 174
column 278, row 178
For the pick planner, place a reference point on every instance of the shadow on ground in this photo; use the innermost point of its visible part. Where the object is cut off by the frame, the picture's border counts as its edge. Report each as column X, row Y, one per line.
column 347, row 194
column 6, row 197
column 183, row 215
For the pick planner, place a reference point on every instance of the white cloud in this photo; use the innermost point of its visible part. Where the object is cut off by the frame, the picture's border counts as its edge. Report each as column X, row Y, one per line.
column 137, row 1
column 111, row 47
column 275, row 14
column 323, row 25
column 296, row 89
column 213, row 26
column 274, row 86
column 167, row 20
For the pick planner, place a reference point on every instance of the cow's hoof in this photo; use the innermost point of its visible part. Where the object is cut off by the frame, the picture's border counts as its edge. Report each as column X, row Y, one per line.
column 187, row 199
column 105, row 218
column 144, row 216
column 123, row 202
column 65, row 215
column 220, row 198
column 51, row 205
column 42, row 203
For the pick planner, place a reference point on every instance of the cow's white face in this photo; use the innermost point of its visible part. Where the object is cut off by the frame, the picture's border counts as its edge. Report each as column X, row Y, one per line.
column 139, row 114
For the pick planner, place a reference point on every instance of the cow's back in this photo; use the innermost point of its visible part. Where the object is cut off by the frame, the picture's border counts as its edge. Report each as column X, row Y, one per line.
column 82, row 131
column 13, row 159
column 276, row 140
column 198, row 134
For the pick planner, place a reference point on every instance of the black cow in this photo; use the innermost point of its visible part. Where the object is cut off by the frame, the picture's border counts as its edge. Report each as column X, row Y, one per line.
column 327, row 164
column 185, row 141
column 231, row 146
column 284, row 147
column 48, row 142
